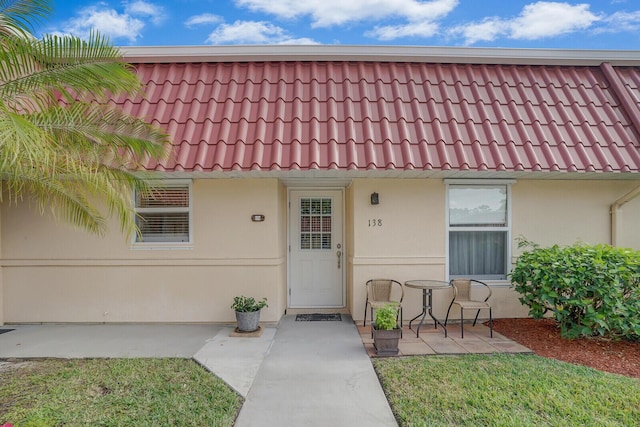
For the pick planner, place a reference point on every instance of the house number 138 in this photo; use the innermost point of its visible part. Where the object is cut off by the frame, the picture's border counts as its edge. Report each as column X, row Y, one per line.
column 375, row 222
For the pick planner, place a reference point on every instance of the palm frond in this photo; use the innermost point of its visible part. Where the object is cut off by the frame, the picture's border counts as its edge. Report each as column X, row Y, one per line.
column 62, row 144
column 106, row 131
column 70, row 188
column 19, row 17
column 34, row 73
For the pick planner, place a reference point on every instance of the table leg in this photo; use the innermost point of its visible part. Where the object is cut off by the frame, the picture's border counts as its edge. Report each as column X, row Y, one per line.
column 436, row 322
column 423, row 313
column 427, row 301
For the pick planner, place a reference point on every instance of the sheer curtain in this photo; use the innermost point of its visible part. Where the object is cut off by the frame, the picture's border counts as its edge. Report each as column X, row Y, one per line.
column 478, row 253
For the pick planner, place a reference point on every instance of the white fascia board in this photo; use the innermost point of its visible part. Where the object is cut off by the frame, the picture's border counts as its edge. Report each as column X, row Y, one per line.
column 466, row 55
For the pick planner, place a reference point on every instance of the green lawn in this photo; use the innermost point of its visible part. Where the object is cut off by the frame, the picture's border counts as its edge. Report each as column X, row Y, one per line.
column 506, row 390
column 498, row 390
column 115, row 392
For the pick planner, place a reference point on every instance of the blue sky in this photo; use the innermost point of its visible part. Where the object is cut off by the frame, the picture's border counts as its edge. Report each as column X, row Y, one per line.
column 596, row 24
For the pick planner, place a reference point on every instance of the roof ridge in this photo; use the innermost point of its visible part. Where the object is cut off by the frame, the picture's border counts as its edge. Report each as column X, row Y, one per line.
column 619, row 91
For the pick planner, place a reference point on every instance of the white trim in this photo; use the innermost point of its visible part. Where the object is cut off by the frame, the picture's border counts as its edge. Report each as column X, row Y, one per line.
column 333, row 178
column 159, row 260
column 459, row 181
column 135, row 245
column 398, row 260
column 498, row 283
column 315, row 183
column 435, row 54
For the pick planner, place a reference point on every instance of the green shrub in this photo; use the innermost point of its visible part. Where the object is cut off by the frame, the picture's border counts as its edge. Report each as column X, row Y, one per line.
column 591, row 290
column 387, row 317
column 247, row 304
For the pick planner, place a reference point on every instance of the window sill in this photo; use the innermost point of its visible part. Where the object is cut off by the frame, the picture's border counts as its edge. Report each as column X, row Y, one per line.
column 161, row 247
column 498, row 283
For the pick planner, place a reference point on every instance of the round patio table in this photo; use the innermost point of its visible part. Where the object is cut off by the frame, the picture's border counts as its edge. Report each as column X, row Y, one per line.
column 427, row 287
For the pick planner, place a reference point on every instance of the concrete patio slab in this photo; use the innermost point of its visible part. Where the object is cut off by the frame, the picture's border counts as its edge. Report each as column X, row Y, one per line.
column 84, row 341
column 431, row 341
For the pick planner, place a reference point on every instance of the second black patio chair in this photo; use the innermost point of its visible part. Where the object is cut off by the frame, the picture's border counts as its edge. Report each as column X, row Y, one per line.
column 462, row 298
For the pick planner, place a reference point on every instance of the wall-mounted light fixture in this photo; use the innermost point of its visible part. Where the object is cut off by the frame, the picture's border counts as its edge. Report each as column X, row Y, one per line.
column 257, row 218
column 375, row 199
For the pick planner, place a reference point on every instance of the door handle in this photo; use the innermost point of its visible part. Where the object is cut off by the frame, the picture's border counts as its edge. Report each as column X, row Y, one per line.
column 339, row 253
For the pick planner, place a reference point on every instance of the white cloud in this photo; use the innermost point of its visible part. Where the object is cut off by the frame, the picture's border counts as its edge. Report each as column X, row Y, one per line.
column 391, row 32
column 107, row 21
column 548, row 19
column 145, row 9
column 205, row 18
column 112, row 23
column 536, row 21
column 302, row 40
column 621, row 21
column 253, row 32
column 487, row 30
column 336, row 12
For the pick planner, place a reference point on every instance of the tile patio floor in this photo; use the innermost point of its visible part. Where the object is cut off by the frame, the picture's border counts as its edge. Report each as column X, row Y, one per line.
column 432, row 341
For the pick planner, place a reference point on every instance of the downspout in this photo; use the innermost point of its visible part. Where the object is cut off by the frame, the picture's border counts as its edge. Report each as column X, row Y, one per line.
column 615, row 208
column 630, row 108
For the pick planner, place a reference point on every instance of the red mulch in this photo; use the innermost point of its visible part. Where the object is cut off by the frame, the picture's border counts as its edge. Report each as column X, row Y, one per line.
column 543, row 337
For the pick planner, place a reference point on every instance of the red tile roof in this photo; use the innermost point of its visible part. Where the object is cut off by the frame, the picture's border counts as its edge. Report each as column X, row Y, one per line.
column 355, row 116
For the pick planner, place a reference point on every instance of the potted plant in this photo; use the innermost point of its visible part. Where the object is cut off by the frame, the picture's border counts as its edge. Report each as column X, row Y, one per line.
column 386, row 333
column 248, row 312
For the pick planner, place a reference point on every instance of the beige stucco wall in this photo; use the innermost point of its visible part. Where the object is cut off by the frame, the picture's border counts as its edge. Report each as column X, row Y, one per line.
column 566, row 212
column 406, row 242
column 53, row 273
column 411, row 243
column 629, row 224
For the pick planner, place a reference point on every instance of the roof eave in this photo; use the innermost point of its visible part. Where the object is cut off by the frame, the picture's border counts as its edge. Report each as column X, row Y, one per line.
column 435, row 54
column 328, row 175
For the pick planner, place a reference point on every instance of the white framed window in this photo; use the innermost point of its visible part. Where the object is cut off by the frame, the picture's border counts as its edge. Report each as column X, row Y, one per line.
column 163, row 214
column 479, row 230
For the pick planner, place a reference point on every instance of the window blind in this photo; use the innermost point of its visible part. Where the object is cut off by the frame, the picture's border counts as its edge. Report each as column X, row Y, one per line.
column 163, row 214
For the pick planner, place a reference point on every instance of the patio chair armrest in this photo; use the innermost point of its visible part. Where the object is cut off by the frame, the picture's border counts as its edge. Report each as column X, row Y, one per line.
column 401, row 290
column 490, row 292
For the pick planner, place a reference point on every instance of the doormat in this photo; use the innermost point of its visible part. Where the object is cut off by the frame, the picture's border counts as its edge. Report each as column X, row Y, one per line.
column 2, row 331
column 319, row 317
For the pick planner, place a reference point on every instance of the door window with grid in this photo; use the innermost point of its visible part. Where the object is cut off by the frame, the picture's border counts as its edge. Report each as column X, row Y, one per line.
column 315, row 223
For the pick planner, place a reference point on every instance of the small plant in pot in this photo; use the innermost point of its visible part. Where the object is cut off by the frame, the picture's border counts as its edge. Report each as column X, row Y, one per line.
column 248, row 312
column 386, row 333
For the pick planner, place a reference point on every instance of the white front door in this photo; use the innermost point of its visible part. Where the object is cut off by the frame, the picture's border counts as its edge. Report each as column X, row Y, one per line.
column 316, row 249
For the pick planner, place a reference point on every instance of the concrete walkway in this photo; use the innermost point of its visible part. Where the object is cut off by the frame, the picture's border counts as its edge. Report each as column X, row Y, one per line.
column 316, row 374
